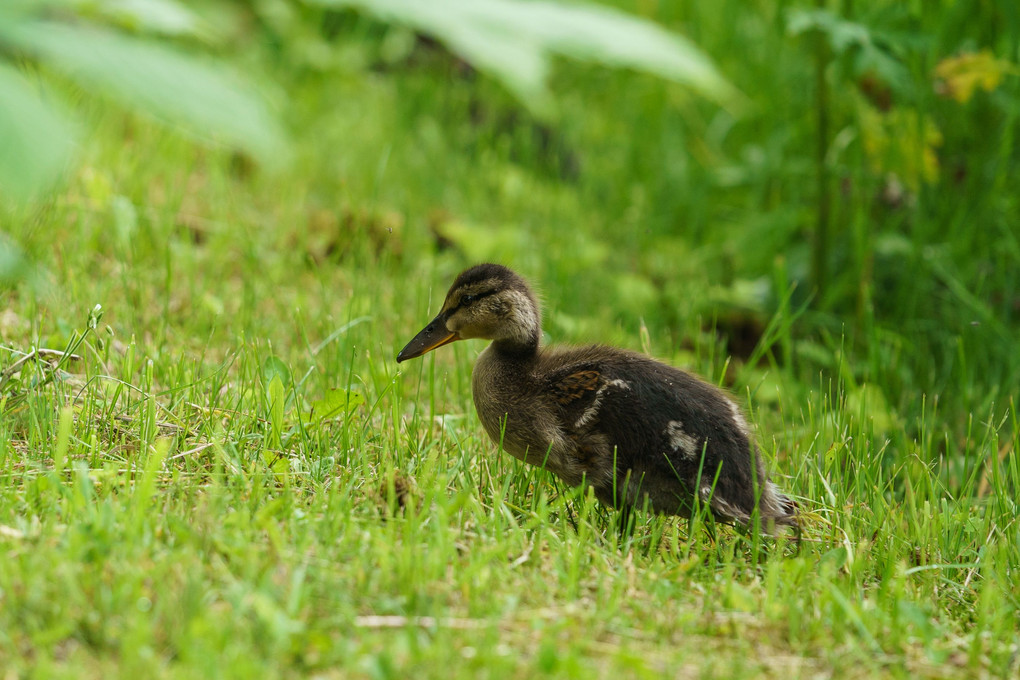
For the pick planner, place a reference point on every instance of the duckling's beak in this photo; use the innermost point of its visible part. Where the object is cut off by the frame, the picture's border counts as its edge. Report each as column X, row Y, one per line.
column 434, row 335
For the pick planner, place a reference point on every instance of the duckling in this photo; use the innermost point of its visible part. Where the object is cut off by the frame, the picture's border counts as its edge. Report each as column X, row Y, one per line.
column 640, row 432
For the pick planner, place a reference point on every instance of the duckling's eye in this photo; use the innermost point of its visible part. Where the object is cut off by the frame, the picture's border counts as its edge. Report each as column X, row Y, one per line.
column 468, row 299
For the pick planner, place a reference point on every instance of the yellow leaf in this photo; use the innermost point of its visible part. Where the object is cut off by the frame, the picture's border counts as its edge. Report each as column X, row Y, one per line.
column 959, row 77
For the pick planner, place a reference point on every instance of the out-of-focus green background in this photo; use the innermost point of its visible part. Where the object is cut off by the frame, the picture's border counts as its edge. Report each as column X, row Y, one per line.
column 811, row 203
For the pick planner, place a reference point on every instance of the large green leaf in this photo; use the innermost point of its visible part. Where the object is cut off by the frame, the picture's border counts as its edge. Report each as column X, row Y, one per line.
column 277, row 397
column 335, row 402
column 166, row 17
column 34, row 139
column 870, row 51
column 172, row 86
column 514, row 39
column 274, row 367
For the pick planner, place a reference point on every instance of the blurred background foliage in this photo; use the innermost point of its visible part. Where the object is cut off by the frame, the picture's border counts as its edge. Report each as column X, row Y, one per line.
column 821, row 188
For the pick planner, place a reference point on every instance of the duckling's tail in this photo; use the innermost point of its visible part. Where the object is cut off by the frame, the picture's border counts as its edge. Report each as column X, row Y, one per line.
column 777, row 509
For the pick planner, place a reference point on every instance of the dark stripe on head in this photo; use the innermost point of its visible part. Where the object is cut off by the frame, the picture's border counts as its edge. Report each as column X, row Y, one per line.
column 483, row 272
column 497, row 277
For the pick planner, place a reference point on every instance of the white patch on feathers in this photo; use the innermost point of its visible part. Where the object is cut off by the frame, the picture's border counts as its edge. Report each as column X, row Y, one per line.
column 680, row 440
column 592, row 411
column 738, row 418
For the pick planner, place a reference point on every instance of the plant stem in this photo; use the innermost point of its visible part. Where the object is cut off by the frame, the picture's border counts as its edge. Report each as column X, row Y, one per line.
column 819, row 259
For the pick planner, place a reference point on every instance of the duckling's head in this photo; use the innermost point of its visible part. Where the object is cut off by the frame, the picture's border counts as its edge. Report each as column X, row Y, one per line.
column 486, row 301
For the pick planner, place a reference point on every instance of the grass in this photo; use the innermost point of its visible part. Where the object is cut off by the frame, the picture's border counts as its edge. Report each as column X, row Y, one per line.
column 174, row 504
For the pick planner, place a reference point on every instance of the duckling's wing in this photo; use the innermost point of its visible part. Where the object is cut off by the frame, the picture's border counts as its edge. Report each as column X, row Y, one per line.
column 640, row 403
column 679, row 434
column 575, row 385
